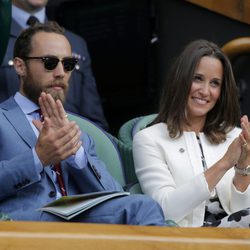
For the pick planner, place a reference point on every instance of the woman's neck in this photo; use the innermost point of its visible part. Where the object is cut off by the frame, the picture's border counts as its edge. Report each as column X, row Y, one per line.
column 195, row 126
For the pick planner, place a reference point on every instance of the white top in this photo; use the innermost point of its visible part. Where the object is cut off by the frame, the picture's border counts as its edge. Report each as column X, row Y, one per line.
column 171, row 172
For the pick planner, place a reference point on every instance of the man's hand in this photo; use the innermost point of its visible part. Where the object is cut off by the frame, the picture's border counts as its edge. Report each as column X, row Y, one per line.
column 53, row 110
column 54, row 146
column 59, row 138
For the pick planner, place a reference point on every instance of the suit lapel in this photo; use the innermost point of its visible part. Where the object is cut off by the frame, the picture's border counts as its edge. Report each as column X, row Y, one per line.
column 17, row 119
column 15, row 28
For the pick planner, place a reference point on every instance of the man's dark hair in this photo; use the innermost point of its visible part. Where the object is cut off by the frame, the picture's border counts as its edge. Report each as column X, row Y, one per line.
column 22, row 46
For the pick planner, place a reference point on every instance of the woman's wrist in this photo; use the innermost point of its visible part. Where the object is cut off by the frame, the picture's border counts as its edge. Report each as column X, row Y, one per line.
column 225, row 164
column 242, row 170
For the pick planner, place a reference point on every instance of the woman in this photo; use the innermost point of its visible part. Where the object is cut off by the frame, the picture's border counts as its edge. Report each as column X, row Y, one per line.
column 193, row 159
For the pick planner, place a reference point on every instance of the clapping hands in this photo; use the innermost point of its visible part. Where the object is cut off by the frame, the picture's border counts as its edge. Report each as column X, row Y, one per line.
column 59, row 138
column 238, row 152
column 244, row 159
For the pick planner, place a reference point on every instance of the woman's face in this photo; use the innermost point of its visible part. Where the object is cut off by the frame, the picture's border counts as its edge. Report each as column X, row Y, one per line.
column 205, row 89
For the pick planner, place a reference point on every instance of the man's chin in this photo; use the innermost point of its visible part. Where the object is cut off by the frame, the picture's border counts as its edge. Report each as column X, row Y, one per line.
column 57, row 95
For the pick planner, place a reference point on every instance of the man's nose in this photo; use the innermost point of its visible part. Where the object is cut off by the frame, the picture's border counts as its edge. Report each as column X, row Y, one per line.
column 59, row 70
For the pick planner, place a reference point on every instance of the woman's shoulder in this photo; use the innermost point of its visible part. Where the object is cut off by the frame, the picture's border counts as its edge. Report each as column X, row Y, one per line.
column 153, row 131
column 234, row 132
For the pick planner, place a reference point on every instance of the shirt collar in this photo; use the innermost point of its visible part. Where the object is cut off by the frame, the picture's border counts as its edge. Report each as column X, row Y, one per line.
column 26, row 105
column 21, row 16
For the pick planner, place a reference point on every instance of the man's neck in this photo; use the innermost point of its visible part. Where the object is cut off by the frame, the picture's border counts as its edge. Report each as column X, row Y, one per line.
column 21, row 16
column 25, row 6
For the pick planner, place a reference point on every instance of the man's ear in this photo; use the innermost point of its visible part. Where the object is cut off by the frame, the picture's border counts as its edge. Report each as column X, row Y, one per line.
column 20, row 66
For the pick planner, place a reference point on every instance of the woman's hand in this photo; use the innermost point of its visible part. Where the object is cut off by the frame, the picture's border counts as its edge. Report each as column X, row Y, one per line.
column 233, row 153
column 241, row 182
column 214, row 174
column 244, row 159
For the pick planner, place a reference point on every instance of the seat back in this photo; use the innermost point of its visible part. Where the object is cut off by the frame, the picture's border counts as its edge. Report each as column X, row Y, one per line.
column 237, row 47
column 125, row 132
column 125, row 144
column 106, row 148
column 142, row 123
column 238, row 51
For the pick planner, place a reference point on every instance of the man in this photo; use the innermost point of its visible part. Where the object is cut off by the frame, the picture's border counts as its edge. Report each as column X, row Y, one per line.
column 82, row 97
column 30, row 149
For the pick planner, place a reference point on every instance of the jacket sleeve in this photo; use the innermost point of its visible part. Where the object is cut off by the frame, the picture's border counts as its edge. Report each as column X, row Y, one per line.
column 18, row 173
column 239, row 200
column 94, row 176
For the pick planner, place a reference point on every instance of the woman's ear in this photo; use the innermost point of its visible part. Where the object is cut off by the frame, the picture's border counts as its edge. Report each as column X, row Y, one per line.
column 20, row 66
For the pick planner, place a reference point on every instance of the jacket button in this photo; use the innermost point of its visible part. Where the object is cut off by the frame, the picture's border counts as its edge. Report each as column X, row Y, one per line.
column 52, row 194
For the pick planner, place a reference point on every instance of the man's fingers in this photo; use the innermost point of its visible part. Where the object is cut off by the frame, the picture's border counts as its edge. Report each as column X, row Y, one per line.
column 48, row 105
column 52, row 106
column 46, row 123
column 73, row 142
column 66, row 145
column 64, row 134
column 53, row 109
column 63, row 142
column 68, row 132
column 71, row 150
column 61, row 110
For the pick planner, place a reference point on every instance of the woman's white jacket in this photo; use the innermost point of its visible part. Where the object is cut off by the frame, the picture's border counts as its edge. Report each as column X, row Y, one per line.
column 171, row 172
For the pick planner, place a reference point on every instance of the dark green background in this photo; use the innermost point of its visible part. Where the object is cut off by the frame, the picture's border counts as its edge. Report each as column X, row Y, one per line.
column 5, row 18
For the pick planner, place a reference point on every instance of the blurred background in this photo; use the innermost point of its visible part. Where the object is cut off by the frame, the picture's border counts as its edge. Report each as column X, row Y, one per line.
column 133, row 42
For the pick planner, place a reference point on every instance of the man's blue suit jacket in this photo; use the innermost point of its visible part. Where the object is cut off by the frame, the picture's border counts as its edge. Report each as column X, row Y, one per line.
column 82, row 97
column 23, row 187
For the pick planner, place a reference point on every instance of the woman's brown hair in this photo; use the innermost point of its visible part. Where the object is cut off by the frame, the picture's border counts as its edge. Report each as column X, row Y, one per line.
column 225, row 114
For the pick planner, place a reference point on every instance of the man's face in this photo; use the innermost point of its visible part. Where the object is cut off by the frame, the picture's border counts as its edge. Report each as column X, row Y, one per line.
column 36, row 78
column 30, row 5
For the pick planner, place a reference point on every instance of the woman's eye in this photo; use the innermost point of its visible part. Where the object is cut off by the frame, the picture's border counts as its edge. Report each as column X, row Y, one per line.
column 215, row 83
column 197, row 78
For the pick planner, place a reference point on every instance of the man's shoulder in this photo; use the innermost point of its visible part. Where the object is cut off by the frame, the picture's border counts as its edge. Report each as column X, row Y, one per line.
column 15, row 29
column 10, row 102
column 78, row 44
column 73, row 37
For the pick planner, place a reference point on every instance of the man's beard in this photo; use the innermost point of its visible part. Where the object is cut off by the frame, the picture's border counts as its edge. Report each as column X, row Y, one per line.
column 33, row 90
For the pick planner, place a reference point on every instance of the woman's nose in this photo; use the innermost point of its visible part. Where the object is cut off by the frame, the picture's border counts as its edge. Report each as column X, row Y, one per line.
column 204, row 89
